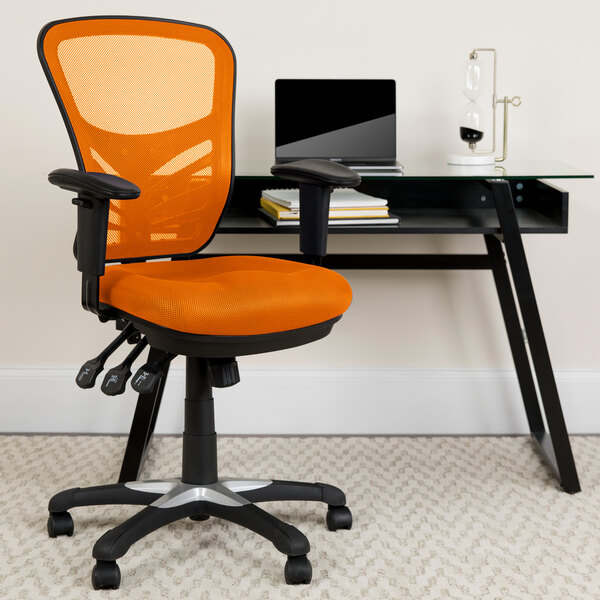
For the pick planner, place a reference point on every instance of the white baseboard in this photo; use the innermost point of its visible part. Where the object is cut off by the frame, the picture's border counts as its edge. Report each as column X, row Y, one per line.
column 306, row 401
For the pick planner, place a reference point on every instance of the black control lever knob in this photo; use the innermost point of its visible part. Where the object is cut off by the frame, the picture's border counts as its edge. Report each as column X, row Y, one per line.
column 223, row 372
column 148, row 375
column 116, row 378
column 145, row 380
column 86, row 378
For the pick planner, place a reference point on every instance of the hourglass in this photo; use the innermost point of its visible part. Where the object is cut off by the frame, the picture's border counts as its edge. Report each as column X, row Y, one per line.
column 472, row 124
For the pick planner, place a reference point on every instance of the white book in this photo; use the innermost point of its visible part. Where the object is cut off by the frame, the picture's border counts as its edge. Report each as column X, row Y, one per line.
column 379, row 222
column 340, row 198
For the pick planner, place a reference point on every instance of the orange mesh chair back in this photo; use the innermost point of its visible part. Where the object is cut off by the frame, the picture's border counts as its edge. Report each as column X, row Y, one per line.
column 150, row 101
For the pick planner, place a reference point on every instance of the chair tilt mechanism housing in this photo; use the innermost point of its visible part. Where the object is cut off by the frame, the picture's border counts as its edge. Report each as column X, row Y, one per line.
column 148, row 105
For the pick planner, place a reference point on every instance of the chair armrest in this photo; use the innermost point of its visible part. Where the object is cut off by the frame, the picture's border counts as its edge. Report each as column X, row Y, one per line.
column 317, row 172
column 94, row 193
column 315, row 178
column 96, row 185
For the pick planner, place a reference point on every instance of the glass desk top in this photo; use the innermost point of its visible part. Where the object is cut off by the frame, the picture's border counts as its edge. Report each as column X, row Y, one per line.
column 431, row 169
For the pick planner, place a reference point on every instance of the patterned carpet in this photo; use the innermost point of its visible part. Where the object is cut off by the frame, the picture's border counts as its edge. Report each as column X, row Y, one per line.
column 434, row 518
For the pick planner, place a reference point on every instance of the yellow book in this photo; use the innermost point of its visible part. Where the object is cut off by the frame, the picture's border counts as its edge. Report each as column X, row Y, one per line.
column 278, row 211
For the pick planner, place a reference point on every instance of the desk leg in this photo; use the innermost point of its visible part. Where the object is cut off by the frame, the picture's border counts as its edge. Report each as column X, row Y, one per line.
column 515, row 334
column 554, row 444
column 142, row 426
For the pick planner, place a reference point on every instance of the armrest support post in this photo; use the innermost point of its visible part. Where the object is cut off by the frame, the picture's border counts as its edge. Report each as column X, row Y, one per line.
column 314, row 211
column 90, row 293
column 92, row 228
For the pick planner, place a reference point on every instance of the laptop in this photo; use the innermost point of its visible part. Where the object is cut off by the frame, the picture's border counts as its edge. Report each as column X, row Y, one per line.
column 351, row 121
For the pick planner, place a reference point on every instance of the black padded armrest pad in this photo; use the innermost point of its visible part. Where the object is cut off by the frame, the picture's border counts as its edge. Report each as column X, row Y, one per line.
column 317, row 172
column 98, row 185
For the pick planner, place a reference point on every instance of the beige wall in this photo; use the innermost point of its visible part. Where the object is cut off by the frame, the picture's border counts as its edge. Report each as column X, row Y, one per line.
column 548, row 54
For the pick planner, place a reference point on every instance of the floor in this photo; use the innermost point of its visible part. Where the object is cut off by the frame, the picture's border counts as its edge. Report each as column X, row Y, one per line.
column 434, row 518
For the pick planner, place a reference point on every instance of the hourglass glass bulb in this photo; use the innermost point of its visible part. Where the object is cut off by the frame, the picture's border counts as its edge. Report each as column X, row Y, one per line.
column 471, row 124
column 472, row 81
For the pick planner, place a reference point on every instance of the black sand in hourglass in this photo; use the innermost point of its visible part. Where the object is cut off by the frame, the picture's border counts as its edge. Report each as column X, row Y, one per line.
column 470, row 135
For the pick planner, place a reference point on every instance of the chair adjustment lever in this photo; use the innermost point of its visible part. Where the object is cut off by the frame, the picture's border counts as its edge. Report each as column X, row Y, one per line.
column 223, row 372
column 132, row 339
column 116, row 378
column 86, row 378
column 148, row 375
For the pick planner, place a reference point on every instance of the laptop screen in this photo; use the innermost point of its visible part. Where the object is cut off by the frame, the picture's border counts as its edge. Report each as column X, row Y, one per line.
column 350, row 120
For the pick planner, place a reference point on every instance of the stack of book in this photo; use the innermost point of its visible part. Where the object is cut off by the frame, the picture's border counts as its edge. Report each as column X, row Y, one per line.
column 347, row 207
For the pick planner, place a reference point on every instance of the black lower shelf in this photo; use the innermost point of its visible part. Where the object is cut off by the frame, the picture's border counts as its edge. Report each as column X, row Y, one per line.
column 480, row 221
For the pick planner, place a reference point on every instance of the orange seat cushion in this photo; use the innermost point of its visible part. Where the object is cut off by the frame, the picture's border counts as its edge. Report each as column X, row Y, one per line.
column 228, row 295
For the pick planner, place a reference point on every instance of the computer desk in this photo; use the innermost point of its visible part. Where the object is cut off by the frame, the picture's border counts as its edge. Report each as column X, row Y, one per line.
column 499, row 202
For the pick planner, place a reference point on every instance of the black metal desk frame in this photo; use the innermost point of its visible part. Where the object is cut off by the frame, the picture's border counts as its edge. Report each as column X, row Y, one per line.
column 439, row 205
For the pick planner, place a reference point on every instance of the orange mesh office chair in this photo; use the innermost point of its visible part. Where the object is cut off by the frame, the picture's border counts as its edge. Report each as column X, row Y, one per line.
column 148, row 105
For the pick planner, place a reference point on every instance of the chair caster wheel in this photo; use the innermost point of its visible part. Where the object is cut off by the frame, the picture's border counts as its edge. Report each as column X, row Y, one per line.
column 106, row 575
column 297, row 570
column 200, row 517
column 339, row 517
column 60, row 523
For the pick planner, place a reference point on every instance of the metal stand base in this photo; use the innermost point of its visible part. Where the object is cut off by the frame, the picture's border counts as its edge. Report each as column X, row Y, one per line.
column 175, row 492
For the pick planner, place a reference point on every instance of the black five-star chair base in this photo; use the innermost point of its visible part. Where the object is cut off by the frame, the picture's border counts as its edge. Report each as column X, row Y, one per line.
column 199, row 494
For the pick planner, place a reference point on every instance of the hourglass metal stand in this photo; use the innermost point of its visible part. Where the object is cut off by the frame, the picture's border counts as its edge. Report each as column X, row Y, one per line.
column 471, row 121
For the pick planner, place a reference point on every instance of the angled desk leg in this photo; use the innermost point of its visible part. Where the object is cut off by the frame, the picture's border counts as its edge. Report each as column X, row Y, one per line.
column 515, row 333
column 142, row 426
column 554, row 444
